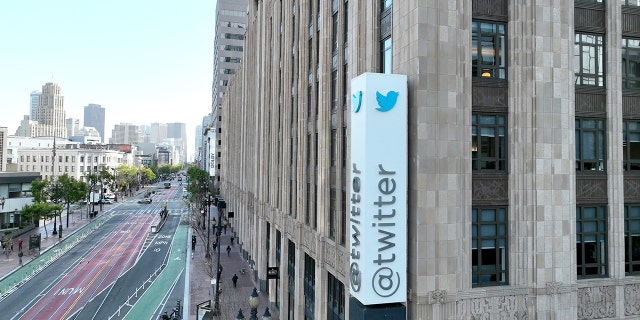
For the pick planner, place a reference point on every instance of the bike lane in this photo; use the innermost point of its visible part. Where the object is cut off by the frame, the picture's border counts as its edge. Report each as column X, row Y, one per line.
column 98, row 270
column 163, row 284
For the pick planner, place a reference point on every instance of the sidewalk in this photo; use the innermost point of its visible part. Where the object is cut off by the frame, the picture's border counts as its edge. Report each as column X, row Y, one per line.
column 231, row 299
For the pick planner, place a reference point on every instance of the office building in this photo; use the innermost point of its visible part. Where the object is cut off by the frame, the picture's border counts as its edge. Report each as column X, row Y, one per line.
column 87, row 135
column 125, row 133
column 50, row 112
column 523, row 197
column 73, row 125
column 177, row 131
column 34, row 99
column 198, row 146
column 157, row 132
column 231, row 24
column 94, row 116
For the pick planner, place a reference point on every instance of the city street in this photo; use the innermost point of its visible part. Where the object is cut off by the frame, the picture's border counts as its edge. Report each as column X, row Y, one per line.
column 114, row 267
column 95, row 272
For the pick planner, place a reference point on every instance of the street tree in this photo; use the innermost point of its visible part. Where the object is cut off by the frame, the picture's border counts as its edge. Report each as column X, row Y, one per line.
column 92, row 185
column 72, row 192
column 41, row 210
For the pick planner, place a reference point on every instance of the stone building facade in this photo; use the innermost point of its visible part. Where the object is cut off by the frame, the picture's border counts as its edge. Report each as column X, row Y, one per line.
column 523, row 187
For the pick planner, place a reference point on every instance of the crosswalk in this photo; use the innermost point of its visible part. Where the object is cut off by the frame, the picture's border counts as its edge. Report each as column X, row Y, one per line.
column 149, row 211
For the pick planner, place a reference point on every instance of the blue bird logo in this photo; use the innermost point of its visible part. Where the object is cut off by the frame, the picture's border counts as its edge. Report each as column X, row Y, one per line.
column 356, row 101
column 387, row 102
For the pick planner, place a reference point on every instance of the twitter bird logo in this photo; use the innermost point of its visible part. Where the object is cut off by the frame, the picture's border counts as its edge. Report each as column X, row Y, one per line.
column 356, row 101
column 387, row 102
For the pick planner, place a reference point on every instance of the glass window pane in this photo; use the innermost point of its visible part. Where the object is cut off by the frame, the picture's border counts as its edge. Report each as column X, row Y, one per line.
column 588, row 145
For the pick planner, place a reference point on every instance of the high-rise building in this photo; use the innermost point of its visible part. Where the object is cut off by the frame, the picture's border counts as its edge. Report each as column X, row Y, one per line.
column 231, row 25
column 178, row 131
column 50, row 113
column 73, row 125
column 94, row 116
column 33, row 102
column 198, row 146
column 158, row 132
column 522, row 189
column 125, row 133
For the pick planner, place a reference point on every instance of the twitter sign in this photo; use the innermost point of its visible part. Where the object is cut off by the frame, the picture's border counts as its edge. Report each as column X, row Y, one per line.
column 378, row 189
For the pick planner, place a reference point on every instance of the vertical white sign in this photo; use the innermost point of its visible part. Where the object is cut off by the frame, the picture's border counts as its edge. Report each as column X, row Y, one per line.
column 378, row 187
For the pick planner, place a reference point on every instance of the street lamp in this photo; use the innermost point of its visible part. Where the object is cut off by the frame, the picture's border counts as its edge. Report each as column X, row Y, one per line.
column 240, row 316
column 267, row 314
column 254, row 302
column 218, row 229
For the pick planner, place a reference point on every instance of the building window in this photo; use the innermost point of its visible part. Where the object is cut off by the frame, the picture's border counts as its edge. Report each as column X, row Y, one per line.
column 386, row 55
column 307, row 216
column 488, row 142
column 631, row 145
column 589, row 59
column 632, row 240
column 591, row 241
column 631, row 3
column 234, row 36
column 309, row 287
column 630, row 63
column 343, row 216
column 489, row 246
column 488, row 50
column 333, row 145
column 335, row 298
column 229, row 47
column 291, row 278
column 332, row 214
column 590, row 145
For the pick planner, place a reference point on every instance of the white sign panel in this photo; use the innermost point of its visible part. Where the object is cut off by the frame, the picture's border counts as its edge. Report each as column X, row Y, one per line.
column 378, row 187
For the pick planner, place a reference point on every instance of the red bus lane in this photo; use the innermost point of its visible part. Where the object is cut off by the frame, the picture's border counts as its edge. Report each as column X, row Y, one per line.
column 96, row 271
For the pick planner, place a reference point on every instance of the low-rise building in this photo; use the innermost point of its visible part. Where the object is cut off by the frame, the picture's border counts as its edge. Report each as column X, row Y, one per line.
column 15, row 192
column 75, row 159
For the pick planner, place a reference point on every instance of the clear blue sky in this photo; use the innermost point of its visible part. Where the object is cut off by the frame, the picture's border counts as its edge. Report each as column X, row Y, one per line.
column 144, row 61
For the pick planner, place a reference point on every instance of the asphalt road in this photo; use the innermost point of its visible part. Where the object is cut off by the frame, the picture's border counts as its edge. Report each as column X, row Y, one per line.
column 113, row 270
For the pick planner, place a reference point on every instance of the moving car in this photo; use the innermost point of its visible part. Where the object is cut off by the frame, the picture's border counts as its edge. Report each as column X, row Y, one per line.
column 145, row 200
column 106, row 201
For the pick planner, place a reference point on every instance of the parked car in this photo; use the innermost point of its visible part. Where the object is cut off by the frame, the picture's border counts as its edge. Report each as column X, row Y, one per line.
column 145, row 200
column 106, row 201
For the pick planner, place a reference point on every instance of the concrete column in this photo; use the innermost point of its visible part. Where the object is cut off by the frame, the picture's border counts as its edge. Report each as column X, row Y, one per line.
column 541, row 152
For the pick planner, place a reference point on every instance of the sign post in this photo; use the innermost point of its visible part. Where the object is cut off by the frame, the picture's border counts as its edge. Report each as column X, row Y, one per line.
column 378, row 190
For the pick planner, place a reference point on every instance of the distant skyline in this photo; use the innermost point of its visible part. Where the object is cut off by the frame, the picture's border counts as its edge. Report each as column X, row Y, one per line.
column 143, row 61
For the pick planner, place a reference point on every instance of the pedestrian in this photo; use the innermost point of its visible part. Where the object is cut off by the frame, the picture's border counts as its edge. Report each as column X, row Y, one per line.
column 231, row 240
column 20, row 257
column 20, row 245
column 215, row 245
column 225, row 229
column 220, row 271
column 235, row 280
column 193, row 243
column 228, row 251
